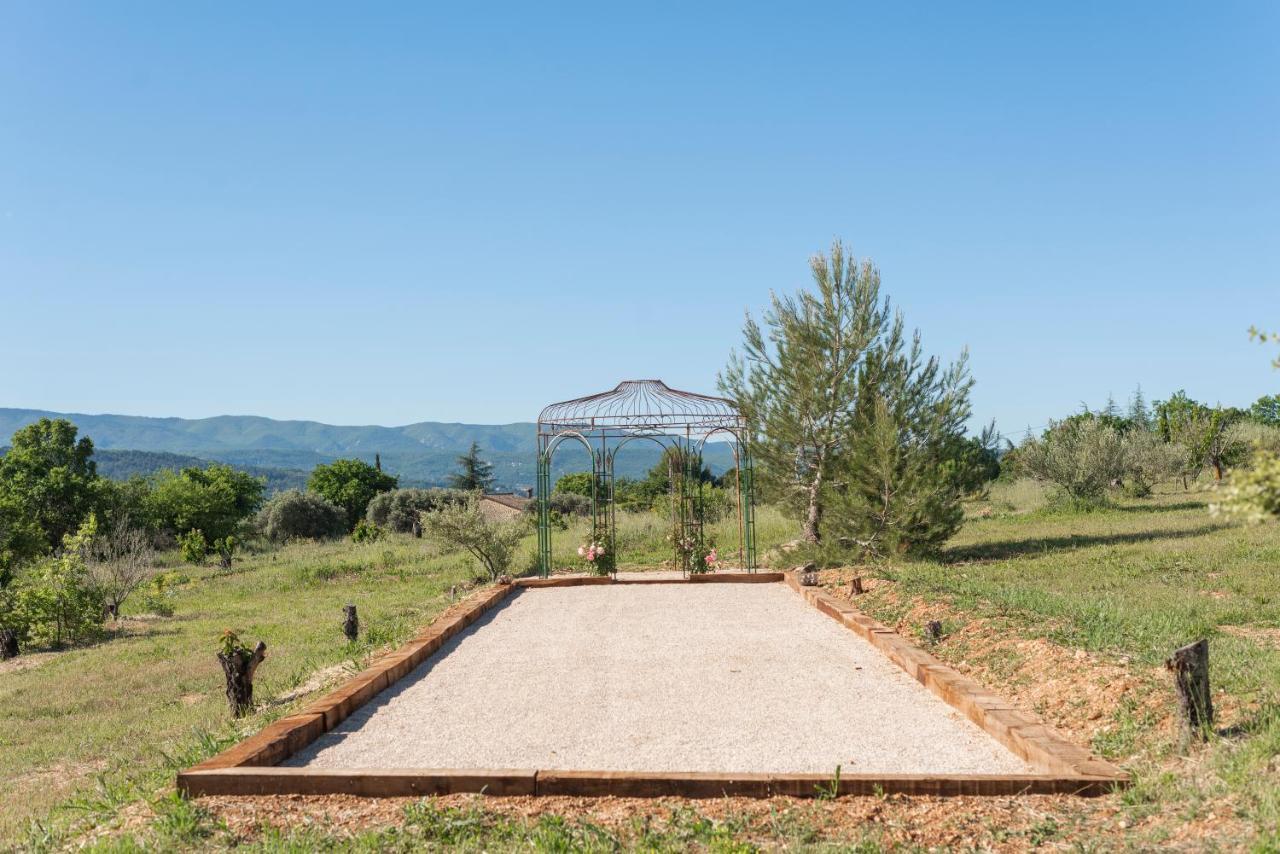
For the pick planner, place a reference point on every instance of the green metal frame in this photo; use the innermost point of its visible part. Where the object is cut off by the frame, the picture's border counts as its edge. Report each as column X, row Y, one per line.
column 646, row 409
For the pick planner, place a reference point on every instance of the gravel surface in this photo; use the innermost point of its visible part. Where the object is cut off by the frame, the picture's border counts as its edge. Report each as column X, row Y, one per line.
column 715, row 677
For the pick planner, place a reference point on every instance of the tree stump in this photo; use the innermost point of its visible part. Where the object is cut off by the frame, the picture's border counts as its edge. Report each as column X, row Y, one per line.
column 1190, row 667
column 238, row 666
column 8, row 644
column 933, row 631
column 855, row 586
column 351, row 622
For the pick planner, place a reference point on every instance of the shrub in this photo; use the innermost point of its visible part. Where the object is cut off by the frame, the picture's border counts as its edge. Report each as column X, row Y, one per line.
column 465, row 526
column 400, row 510
column 1148, row 460
column 351, row 484
column 366, row 532
column 57, row 599
column 567, row 504
column 294, row 514
column 157, row 599
column 120, row 560
column 194, row 547
column 1082, row 456
column 1253, row 494
column 1255, row 437
column 213, row 500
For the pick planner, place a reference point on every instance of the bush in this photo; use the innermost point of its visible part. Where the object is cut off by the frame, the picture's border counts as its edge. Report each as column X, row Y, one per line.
column 400, row 510
column 1081, row 456
column 1255, row 437
column 351, row 484
column 213, row 500
column 294, row 514
column 366, row 532
column 1253, row 494
column 465, row 526
column 567, row 504
column 56, row 600
column 1148, row 460
column 193, row 545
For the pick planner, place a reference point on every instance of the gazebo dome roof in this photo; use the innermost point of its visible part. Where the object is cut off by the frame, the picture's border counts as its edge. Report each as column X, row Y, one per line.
column 640, row 406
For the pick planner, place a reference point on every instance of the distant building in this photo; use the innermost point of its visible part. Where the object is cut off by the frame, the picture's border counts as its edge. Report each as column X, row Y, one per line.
column 505, row 505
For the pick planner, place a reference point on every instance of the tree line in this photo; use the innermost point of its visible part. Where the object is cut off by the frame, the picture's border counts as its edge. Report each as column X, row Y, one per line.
column 74, row 546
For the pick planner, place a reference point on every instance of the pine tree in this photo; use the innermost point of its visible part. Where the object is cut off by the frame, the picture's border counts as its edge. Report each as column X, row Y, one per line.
column 856, row 431
column 474, row 473
column 799, row 387
column 1139, row 414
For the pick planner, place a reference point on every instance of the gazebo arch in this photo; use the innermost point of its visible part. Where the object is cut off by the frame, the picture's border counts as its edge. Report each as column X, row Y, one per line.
column 646, row 409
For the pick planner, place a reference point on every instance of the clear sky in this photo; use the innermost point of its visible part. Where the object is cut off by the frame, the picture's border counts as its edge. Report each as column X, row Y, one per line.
column 386, row 213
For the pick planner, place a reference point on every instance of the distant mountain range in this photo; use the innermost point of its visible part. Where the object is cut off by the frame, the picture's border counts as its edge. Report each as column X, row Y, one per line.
column 284, row 452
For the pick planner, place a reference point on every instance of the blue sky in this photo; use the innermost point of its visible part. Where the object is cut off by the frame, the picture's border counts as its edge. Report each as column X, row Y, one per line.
column 389, row 213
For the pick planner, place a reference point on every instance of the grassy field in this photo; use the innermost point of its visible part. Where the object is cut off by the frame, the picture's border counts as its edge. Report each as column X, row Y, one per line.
column 1070, row 614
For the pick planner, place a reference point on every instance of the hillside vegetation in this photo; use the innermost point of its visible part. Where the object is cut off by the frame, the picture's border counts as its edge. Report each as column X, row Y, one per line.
column 1068, row 613
column 421, row 454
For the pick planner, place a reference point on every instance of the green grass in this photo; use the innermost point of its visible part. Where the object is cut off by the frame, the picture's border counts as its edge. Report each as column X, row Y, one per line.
column 94, row 734
column 1136, row 580
column 117, row 709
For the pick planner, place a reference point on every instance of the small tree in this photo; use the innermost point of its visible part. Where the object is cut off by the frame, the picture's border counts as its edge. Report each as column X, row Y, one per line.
column 576, row 483
column 474, row 474
column 849, row 412
column 351, row 484
column 1203, row 431
column 1148, row 460
column 213, row 500
column 293, row 514
column 1081, row 456
column 799, row 385
column 49, row 477
column 120, row 560
column 401, row 510
column 57, row 598
column 464, row 525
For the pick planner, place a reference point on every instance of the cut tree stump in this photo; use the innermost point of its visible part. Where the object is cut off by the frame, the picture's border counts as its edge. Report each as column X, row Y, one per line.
column 238, row 667
column 933, row 631
column 1190, row 667
column 351, row 622
column 8, row 644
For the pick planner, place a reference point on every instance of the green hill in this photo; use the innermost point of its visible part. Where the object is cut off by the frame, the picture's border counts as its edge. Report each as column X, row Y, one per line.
column 422, row 454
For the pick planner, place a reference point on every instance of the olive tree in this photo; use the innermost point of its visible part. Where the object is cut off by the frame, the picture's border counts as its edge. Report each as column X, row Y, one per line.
column 464, row 525
column 294, row 514
column 1083, row 457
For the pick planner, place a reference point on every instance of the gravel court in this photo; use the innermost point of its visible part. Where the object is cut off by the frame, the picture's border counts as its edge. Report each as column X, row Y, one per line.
column 667, row 677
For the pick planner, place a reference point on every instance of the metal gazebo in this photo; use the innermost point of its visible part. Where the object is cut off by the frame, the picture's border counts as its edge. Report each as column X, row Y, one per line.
column 604, row 423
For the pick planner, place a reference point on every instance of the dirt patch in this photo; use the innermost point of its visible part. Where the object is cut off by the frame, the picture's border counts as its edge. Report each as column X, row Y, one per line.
column 27, row 661
column 1078, row 692
column 989, row 824
column 1257, row 634
column 323, row 677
